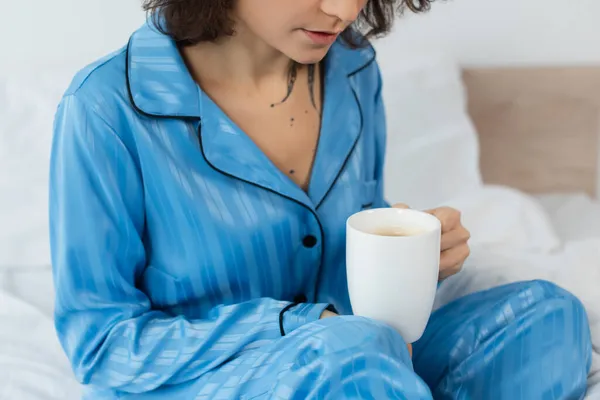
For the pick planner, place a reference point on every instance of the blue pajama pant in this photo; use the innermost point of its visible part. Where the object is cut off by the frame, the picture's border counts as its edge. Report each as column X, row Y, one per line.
column 529, row 340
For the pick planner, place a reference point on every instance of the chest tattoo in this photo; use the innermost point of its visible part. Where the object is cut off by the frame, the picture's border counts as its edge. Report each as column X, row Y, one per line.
column 292, row 78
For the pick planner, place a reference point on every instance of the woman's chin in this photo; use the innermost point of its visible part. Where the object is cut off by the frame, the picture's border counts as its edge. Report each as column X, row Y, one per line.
column 306, row 57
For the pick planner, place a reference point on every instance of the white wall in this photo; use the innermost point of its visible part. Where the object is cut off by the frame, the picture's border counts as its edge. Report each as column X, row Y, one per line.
column 43, row 34
column 476, row 32
column 506, row 32
column 48, row 33
column 501, row 33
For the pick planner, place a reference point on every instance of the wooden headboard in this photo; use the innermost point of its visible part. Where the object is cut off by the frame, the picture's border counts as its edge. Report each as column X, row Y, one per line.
column 539, row 128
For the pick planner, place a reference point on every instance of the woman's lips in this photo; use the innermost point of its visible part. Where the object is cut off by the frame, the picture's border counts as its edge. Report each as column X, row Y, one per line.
column 321, row 38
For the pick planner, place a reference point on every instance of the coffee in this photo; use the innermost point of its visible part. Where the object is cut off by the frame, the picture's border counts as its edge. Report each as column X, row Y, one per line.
column 395, row 231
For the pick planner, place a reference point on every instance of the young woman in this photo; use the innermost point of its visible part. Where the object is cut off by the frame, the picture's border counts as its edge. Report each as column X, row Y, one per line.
column 200, row 181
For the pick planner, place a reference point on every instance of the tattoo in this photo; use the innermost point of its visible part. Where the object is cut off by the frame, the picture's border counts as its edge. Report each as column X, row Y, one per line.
column 292, row 75
column 292, row 172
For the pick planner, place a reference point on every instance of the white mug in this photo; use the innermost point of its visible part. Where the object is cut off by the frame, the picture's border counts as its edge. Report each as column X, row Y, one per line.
column 393, row 278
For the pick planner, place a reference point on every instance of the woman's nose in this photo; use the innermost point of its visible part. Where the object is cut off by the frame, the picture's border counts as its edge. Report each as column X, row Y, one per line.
column 345, row 10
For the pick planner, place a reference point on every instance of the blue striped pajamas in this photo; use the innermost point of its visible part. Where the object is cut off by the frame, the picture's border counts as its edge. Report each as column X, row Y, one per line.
column 177, row 244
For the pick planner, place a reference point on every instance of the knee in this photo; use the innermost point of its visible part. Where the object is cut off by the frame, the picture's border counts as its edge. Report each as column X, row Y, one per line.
column 549, row 297
column 542, row 298
column 349, row 355
column 558, row 311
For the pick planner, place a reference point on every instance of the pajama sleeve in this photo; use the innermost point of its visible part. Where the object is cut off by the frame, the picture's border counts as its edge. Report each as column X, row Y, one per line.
column 105, row 323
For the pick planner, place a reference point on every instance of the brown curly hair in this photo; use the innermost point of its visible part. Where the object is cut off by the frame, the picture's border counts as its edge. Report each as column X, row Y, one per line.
column 192, row 21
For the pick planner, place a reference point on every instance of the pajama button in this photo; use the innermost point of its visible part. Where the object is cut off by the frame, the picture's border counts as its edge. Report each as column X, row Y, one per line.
column 309, row 241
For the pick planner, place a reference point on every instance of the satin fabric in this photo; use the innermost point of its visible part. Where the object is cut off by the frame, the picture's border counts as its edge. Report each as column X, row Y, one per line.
column 176, row 244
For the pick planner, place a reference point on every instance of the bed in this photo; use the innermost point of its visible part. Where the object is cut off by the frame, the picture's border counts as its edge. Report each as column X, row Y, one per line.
column 492, row 142
column 539, row 132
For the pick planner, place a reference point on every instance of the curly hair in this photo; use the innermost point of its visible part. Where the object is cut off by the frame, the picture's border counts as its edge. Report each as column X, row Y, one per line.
column 193, row 21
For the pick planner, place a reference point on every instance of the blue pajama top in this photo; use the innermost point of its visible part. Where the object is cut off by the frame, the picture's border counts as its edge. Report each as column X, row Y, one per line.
column 176, row 242
column 177, row 245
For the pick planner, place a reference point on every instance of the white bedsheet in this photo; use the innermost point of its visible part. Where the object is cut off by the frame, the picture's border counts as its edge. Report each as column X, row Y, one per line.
column 32, row 365
column 577, row 269
column 573, row 262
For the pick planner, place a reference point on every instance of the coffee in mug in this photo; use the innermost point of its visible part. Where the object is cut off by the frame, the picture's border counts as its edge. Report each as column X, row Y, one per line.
column 396, row 231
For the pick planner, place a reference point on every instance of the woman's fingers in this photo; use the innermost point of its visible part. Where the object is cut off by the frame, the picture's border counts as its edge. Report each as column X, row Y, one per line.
column 455, row 238
column 452, row 260
column 449, row 217
column 328, row 314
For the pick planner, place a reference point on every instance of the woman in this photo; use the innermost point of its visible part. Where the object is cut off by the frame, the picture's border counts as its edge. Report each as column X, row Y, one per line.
column 200, row 181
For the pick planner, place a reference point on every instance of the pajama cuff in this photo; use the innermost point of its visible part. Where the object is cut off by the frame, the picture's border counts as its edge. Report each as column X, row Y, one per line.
column 295, row 315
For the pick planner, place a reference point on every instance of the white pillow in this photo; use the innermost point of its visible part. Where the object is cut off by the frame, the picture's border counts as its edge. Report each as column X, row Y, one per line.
column 507, row 220
column 432, row 154
column 28, row 102
column 432, row 146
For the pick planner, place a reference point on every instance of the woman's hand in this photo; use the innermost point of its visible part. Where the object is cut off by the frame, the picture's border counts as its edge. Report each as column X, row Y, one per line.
column 327, row 314
column 455, row 238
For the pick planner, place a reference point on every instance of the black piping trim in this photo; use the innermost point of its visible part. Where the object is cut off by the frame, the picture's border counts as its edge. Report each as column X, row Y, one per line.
column 130, row 93
column 362, row 68
column 197, row 118
column 191, row 117
column 371, row 61
column 349, row 153
column 285, row 309
column 297, row 300
column 313, row 212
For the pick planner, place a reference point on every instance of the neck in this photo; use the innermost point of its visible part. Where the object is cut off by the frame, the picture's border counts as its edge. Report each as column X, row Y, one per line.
column 242, row 59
